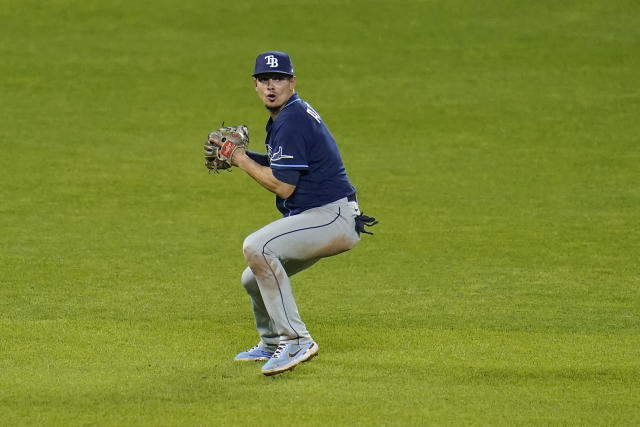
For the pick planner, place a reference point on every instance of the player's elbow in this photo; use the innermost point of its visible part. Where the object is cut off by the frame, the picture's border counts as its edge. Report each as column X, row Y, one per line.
column 284, row 190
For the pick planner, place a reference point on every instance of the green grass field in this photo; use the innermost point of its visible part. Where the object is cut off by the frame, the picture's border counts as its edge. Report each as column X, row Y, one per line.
column 497, row 142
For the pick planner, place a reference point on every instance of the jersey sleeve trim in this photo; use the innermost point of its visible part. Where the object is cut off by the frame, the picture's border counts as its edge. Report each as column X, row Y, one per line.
column 289, row 166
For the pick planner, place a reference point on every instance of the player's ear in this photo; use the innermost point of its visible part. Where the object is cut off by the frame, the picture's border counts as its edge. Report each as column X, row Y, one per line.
column 292, row 81
column 255, row 83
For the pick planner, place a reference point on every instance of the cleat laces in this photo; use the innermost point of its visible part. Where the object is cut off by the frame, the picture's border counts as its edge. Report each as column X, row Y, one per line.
column 279, row 351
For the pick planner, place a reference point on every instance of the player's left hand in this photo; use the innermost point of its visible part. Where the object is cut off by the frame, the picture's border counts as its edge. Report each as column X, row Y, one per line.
column 222, row 144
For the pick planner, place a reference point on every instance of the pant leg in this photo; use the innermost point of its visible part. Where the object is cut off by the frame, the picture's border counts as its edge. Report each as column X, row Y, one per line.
column 269, row 337
column 296, row 240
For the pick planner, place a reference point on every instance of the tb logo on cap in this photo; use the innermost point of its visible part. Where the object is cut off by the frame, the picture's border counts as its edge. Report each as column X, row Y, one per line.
column 272, row 61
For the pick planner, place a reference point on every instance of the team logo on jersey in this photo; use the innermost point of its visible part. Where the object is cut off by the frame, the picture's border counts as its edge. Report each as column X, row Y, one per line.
column 277, row 155
column 272, row 61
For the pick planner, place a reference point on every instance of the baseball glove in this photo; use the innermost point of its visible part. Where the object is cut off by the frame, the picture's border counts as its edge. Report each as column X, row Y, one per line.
column 222, row 143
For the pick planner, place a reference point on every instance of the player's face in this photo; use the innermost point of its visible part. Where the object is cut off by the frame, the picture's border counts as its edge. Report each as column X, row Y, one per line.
column 274, row 89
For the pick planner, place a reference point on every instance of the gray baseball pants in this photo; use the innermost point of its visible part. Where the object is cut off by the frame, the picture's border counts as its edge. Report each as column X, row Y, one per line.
column 283, row 248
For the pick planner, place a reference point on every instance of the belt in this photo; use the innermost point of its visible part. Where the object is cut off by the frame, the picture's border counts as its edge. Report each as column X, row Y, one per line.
column 352, row 198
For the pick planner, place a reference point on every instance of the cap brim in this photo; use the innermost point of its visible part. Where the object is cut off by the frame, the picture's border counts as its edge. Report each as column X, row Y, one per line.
column 273, row 72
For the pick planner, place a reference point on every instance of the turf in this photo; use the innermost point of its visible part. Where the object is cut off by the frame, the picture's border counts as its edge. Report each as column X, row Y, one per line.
column 497, row 143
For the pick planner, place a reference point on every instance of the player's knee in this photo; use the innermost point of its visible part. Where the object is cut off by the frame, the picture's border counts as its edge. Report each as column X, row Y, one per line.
column 249, row 280
column 252, row 251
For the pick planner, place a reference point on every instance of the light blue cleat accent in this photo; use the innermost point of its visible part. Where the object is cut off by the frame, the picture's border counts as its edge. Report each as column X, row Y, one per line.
column 255, row 353
column 288, row 356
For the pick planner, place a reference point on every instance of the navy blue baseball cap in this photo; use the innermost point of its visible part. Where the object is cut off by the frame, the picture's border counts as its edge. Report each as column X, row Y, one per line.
column 273, row 62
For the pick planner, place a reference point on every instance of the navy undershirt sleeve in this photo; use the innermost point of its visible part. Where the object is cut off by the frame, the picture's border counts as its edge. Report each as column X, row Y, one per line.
column 259, row 158
column 290, row 176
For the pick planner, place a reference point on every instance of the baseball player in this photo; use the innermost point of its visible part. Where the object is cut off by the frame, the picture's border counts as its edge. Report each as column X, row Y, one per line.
column 304, row 169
